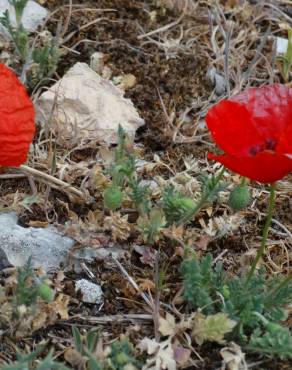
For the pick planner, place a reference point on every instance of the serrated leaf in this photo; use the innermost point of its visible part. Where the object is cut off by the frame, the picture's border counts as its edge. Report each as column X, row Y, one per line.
column 211, row 328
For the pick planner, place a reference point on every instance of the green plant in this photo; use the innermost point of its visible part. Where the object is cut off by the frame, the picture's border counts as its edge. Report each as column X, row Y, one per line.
column 29, row 288
column 39, row 61
column 211, row 186
column 201, row 282
column 112, row 198
column 122, row 356
column 124, row 165
column 26, row 361
column 273, row 340
column 173, row 207
column 208, row 288
column 150, row 225
column 45, row 60
column 86, row 345
column 119, row 356
column 139, row 194
column 176, row 205
column 286, row 59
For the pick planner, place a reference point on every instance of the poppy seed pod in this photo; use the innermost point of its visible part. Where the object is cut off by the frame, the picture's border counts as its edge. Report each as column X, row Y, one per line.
column 112, row 198
column 17, row 114
column 239, row 197
column 254, row 129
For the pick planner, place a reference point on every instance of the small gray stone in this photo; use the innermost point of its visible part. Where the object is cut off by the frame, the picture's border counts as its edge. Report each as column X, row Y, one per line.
column 217, row 81
column 91, row 293
column 47, row 247
column 89, row 254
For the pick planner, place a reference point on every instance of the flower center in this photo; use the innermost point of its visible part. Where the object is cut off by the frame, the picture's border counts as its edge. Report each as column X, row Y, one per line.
column 269, row 144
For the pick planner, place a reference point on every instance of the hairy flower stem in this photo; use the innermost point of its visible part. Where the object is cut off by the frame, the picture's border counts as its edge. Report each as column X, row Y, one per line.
column 203, row 199
column 262, row 248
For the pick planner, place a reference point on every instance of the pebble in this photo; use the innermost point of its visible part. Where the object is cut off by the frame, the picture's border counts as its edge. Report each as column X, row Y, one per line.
column 91, row 293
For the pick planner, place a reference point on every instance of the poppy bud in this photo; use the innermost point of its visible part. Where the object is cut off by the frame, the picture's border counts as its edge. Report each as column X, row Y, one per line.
column 239, row 197
column 186, row 204
column 226, row 291
column 45, row 292
column 112, row 198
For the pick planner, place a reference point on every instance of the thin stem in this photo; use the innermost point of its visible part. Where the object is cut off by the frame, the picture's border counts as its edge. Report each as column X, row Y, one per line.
column 204, row 198
column 265, row 232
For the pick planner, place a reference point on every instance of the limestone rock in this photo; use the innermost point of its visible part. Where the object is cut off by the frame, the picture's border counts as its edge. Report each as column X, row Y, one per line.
column 46, row 246
column 84, row 107
column 33, row 15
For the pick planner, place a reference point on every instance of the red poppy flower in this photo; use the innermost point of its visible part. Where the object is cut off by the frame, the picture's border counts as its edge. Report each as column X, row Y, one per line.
column 254, row 129
column 17, row 126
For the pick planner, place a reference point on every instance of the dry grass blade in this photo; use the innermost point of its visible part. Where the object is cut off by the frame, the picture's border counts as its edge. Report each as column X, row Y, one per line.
column 167, row 26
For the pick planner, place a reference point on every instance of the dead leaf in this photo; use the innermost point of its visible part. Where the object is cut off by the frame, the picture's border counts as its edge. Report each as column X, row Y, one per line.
column 167, row 326
column 203, row 242
column 147, row 254
column 39, row 321
column 146, row 285
column 181, row 354
column 60, row 305
column 59, row 281
column 126, row 81
column 162, row 354
column 233, row 358
column 128, row 291
column 174, row 232
column 118, row 225
column 75, row 359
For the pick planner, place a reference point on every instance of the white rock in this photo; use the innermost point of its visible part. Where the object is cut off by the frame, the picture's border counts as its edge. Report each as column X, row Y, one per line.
column 91, row 293
column 46, row 246
column 84, row 107
column 33, row 15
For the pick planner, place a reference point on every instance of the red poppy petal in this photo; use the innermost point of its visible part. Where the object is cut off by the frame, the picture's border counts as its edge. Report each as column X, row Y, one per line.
column 232, row 128
column 269, row 106
column 285, row 142
column 17, row 126
column 265, row 167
